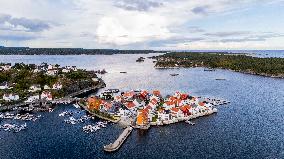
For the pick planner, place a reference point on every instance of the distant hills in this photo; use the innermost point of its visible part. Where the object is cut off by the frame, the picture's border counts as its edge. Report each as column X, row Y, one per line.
column 67, row 51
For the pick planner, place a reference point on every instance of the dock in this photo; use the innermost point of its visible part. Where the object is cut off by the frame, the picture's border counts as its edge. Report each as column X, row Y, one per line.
column 119, row 141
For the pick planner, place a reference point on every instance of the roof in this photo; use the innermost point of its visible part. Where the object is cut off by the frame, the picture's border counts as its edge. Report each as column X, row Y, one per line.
column 175, row 109
column 157, row 93
column 130, row 105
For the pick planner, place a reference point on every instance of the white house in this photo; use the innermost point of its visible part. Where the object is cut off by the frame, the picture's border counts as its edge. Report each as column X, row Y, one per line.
column 46, row 87
column 4, row 85
column 11, row 97
column 32, row 99
column 65, row 70
column 36, row 70
column 57, row 86
column 6, row 67
column 46, row 95
column 50, row 67
column 52, row 72
column 34, row 88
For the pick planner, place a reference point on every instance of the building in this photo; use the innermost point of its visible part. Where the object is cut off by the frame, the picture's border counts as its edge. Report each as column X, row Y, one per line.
column 32, row 99
column 46, row 95
column 4, row 85
column 57, row 86
column 34, row 88
column 11, row 97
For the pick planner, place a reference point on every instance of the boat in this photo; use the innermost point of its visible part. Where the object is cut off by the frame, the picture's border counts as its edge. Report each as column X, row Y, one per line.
column 76, row 105
column 209, row 69
column 189, row 122
column 174, row 74
column 123, row 72
column 220, row 79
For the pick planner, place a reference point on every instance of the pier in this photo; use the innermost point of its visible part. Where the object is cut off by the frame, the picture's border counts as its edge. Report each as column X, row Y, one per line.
column 119, row 141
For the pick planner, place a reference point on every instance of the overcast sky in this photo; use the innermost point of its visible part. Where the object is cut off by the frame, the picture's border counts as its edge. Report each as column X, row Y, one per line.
column 143, row 24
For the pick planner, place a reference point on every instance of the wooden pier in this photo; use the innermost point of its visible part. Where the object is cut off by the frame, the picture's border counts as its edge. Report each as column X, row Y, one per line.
column 119, row 141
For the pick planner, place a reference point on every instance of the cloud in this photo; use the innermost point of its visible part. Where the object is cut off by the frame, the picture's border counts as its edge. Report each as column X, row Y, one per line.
column 246, row 39
column 136, row 23
column 228, row 33
column 203, row 10
column 7, row 22
column 17, row 36
column 137, row 5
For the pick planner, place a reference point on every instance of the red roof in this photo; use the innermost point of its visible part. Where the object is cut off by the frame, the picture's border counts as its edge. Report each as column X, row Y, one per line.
column 175, row 109
column 157, row 93
column 130, row 105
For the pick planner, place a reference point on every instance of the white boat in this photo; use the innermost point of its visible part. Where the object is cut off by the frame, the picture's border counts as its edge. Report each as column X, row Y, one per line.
column 189, row 122
column 76, row 106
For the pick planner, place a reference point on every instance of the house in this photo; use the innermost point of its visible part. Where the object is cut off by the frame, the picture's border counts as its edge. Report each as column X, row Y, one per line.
column 50, row 67
column 142, row 118
column 52, row 72
column 32, row 99
column 46, row 95
column 123, row 112
column 157, row 93
column 153, row 103
column 57, row 86
column 4, row 85
column 128, row 95
column 130, row 105
column 93, row 103
column 46, row 87
column 65, row 70
column 6, row 67
column 11, row 97
column 36, row 70
column 34, row 88
column 144, row 94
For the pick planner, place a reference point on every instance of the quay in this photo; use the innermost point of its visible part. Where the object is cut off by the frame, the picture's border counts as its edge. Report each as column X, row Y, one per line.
column 119, row 141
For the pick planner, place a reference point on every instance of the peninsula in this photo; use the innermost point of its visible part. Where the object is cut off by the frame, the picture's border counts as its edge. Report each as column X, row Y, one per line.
column 29, row 83
column 270, row 67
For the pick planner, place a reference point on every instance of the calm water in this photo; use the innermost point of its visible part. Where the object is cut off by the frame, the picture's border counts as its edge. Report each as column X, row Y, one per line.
column 251, row 126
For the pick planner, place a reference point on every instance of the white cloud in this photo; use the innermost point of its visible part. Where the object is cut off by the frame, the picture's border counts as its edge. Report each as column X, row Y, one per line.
column 121, row 24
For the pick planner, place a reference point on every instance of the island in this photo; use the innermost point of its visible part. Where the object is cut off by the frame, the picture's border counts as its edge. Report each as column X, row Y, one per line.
column 270, row 67
column 22, row 84
column 68, row 51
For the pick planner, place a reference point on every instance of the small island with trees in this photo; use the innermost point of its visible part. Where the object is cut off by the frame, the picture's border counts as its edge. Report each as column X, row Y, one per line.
column 270, row 67
column 28, row 83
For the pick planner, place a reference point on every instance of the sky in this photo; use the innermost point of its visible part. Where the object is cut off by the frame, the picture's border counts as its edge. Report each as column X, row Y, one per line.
column 143, row 24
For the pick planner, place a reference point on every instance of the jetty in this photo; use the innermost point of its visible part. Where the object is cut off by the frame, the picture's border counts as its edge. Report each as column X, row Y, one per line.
column 119, row 141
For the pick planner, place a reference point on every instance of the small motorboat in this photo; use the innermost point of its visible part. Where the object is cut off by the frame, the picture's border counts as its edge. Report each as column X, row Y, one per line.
column 123, row 72
column 189, row 122
column 76, row 105
column 174, row 74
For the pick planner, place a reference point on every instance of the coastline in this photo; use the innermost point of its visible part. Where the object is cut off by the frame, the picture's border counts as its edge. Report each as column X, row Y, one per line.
column 267, row 67
column 244, row 72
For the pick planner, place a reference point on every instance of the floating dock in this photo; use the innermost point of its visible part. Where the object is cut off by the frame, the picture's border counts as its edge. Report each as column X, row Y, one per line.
column 119, row 141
